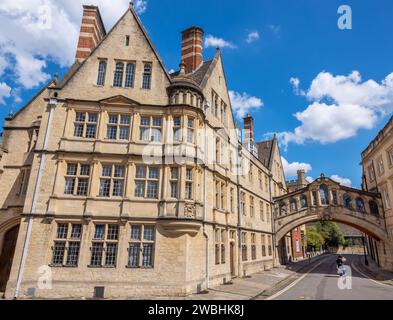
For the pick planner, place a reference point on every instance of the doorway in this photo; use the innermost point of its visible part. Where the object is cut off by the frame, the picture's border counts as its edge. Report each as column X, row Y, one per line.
column 7, row 255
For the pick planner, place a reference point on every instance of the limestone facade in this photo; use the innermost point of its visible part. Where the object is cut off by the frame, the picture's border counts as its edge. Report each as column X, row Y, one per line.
column 131, row 180
column 377, row 164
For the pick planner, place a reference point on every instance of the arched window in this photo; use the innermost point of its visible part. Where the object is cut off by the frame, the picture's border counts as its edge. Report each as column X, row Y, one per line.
column 324, row 193
column 130, row 75
column 374, row 208
column 101, row 73
column 347, row 201
column 335, row 201
column 303, row 202
column 283, row 208
column 360, row 205
column 118, row 78
column 293, row 205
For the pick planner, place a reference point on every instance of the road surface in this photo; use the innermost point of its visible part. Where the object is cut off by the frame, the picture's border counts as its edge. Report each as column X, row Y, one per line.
column 323, row 283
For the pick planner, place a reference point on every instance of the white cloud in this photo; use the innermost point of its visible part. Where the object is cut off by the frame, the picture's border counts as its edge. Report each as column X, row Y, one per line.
column 211, row 41
column 140, row 6
column 252, row 36
column 3, row 65
column 310, row 179
column 295, row 82
column 291, row 169
column 275, row 29
column 34, row 32
column 340, row 107
column 244, row 103
column 5, row 92
column 343, row 181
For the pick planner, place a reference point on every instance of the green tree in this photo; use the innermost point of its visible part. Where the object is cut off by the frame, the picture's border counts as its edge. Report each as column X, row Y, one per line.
column 331, row 233
column 314, row 239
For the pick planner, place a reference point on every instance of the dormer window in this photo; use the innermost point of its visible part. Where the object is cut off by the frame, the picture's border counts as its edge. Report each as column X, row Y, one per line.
column 101, row 73
column 146, row 81
column 118, row 78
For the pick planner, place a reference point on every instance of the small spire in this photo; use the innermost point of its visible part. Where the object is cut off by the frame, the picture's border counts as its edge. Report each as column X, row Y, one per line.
column 132, row 4
column 182, row 68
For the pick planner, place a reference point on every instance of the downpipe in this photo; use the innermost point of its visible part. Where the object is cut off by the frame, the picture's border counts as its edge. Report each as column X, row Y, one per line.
column 52, row 104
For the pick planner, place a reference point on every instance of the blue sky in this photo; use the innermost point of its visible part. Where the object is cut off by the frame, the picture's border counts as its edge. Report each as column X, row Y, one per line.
column 299, row 40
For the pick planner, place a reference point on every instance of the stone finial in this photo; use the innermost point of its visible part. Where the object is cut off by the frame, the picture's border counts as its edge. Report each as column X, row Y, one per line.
column 182, row 67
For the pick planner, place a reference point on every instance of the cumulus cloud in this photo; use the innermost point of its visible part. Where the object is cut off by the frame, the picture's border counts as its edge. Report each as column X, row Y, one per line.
column 291, row 169
column 243, row 103
column 140, row 6
column 35, row 32
column 343, row 181
column 252, row 36
column 5, row 92
column 339, row 107
column 212, row 41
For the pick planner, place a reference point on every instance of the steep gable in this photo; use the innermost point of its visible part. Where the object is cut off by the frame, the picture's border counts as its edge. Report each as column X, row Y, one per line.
column 80, row 83
column 212, row 78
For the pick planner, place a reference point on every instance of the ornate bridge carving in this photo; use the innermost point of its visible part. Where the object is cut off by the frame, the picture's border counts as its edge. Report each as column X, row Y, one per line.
column 326, row 200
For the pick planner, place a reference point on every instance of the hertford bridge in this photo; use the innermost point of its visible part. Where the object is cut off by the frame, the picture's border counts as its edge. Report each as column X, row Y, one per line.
column 326, row 200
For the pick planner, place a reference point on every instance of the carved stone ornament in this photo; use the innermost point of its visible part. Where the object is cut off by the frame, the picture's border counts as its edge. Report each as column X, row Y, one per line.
column 326, row 215
column 190, row 211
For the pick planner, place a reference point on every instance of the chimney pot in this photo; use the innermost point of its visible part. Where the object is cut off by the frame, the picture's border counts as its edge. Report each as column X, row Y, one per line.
column 192, row 48
column 91, row 33
column 249, row 128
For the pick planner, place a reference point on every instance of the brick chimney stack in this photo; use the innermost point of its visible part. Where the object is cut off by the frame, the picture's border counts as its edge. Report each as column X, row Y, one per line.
column 249, row 129
column 91, row 33
column 192, row 48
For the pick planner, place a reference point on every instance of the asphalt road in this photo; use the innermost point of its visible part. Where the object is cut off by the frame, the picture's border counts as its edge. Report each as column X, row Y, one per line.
column 323, row 283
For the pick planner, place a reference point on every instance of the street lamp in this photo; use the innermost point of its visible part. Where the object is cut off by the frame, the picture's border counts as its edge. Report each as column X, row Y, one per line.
column 364, row 248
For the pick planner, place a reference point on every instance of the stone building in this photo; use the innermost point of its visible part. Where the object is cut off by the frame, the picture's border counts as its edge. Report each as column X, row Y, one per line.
column 377, row 164
column 122, row 180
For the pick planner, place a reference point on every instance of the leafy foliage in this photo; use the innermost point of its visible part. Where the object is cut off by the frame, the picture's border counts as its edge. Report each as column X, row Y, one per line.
column 325, row 233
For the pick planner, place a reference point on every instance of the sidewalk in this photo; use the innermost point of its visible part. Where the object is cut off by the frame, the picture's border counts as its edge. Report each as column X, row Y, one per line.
column 249, row 288
column 373, row 271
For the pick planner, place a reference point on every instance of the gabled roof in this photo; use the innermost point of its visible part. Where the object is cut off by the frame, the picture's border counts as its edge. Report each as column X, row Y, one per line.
column 77, row 65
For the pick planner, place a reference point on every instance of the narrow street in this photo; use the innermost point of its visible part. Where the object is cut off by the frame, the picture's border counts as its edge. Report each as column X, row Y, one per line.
column 322, row 283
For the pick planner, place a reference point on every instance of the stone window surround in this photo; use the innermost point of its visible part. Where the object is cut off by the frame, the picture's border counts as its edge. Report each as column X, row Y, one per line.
column 125, row 62
column 135, row 117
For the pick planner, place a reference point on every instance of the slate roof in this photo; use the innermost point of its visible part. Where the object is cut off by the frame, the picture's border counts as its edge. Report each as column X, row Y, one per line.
column 265, row 151
column 199, row 74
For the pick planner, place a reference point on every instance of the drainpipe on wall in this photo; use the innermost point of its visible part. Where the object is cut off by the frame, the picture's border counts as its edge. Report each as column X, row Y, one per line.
column 273, row 222
column 205, row 233
column 52, row 104
column 239, row 211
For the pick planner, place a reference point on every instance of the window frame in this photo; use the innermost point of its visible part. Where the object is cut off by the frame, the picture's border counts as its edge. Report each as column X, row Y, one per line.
column 85, row 124
column 140, row 244
column 147, row 76
column 67, row 240
column 103, row 243
column 146, row 180
column 119, row 126
column 77, row 179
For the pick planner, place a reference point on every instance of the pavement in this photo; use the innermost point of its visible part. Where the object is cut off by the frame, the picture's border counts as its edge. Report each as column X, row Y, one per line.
column 373, row 271
column 258, row 284
column 322, row 282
